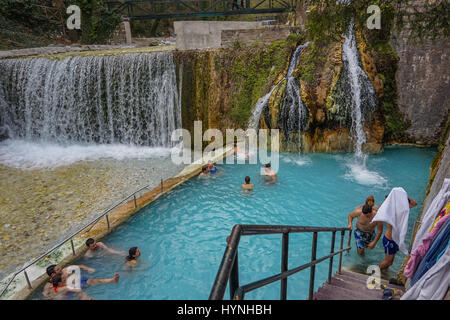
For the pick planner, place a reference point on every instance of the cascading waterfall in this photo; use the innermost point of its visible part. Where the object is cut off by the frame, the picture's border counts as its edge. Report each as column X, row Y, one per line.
column 124, row 99
column 362, row 93
column 292, row 103
column 359, row 98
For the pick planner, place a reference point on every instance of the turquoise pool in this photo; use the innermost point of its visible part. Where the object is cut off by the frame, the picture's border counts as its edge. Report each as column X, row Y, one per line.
column 182, row 235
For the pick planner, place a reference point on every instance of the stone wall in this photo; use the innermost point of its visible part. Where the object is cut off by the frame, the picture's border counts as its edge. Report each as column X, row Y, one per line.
column 423, row 80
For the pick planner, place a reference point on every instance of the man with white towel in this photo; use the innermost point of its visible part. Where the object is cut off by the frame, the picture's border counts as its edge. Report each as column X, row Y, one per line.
column 395, row 212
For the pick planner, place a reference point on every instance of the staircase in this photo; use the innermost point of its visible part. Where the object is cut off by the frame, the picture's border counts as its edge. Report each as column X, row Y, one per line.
column 348, row 285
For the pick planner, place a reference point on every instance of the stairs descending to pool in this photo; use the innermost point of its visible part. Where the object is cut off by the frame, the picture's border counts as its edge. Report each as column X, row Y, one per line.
column 348, row 285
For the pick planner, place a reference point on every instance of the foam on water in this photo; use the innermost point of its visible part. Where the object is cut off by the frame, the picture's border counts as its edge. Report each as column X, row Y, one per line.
column 357, row 171
column 25, row 154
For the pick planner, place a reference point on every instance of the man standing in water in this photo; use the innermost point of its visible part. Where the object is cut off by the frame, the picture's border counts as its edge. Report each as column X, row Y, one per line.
column 390, row 246
column 269, row 175
column 365, row 236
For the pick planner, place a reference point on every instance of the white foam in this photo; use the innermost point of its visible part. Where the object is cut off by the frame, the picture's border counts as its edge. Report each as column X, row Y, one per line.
column 24, row 154
column 301, row 161
column 359, row 173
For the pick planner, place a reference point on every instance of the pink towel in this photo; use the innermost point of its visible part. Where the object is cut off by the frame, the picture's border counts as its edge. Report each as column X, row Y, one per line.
column 420, row 252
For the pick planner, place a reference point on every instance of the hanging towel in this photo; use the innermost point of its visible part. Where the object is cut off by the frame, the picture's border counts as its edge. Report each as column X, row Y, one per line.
column 395, row 211
column 428, row 217
column 438, row 245
column 434, row 283
column 420, row 252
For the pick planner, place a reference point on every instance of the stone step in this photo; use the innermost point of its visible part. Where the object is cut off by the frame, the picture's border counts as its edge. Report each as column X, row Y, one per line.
column 351, row 286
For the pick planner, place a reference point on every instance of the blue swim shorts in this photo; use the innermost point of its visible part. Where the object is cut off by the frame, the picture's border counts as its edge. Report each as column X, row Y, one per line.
column 363, row 238
column 390, row 247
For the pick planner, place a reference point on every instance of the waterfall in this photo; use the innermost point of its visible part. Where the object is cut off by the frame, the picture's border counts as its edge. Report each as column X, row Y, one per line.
column 361, row 91
column 294, row 112
column 123, row 99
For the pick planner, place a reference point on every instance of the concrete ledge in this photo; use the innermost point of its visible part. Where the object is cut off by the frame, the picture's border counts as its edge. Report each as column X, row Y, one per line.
column 63, row 256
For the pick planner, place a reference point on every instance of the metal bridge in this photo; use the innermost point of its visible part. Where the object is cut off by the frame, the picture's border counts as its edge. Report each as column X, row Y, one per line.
column 163, row 9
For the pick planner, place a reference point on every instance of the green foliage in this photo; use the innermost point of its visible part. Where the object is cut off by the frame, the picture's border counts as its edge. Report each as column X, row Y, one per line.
column 254, row 70
column 97, row 23
column 328, row 19
column 313, row 57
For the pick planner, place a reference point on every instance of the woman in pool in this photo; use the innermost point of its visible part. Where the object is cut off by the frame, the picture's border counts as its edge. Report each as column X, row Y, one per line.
column 133, row 254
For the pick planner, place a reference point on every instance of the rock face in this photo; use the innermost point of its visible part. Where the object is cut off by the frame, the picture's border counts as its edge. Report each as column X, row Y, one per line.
column 423, row 79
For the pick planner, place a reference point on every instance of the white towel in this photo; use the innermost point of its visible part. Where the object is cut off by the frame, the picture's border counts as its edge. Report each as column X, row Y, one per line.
column 395, row 211
column 439, row 201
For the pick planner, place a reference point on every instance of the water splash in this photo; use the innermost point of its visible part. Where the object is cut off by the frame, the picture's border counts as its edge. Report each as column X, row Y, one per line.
column 128, row 99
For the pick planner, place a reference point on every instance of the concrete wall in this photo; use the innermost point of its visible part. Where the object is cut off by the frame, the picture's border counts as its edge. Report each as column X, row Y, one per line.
column 267, row 34
column 193, row 35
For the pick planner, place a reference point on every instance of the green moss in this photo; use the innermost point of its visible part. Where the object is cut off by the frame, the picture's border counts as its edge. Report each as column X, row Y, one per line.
column 253, row 71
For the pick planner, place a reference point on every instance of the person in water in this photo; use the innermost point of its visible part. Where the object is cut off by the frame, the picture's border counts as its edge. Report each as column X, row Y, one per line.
column 269, row 175
column 211, row 167
column 94, row 247
column 133, row 254
column 204, row 172
column 365, row 236
column 390, row 246
column 247, row 185
column 54, row 270
column 59, row 290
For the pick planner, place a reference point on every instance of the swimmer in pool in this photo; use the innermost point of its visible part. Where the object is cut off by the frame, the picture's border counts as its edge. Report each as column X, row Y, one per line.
column 55, row 270
column 269, row 175
column 59, row 290
column 133, row 254
column 204, row 172
column 211, row 167
column 94, row 247
column 247, row 185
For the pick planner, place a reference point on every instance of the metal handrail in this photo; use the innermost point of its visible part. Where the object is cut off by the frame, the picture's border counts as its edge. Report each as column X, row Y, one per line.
column 229, row 270
column 92, row 223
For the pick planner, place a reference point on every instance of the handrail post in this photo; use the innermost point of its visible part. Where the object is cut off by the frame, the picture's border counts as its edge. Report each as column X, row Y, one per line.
column 107, row 221
column 284, row 264
column 313, row 268
column 73, row 247
column 234, row 277
column 28, row 280
column 340, row 254
column 135, row 204
column 330, row 270
column 162, row 186
column 349, row 240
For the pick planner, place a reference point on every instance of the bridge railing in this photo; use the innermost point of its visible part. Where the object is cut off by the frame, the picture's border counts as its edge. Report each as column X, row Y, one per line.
column 229, row 268
column 157, row 9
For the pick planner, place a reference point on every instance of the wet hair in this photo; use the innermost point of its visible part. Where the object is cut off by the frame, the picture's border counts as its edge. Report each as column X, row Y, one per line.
column 56, row 280
column 370, row 198
column 89, row 242
column 267, row 165
column 247, row 179
column 366, row 209
column 51, row 269
column 131, row 253
column 204, row 168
